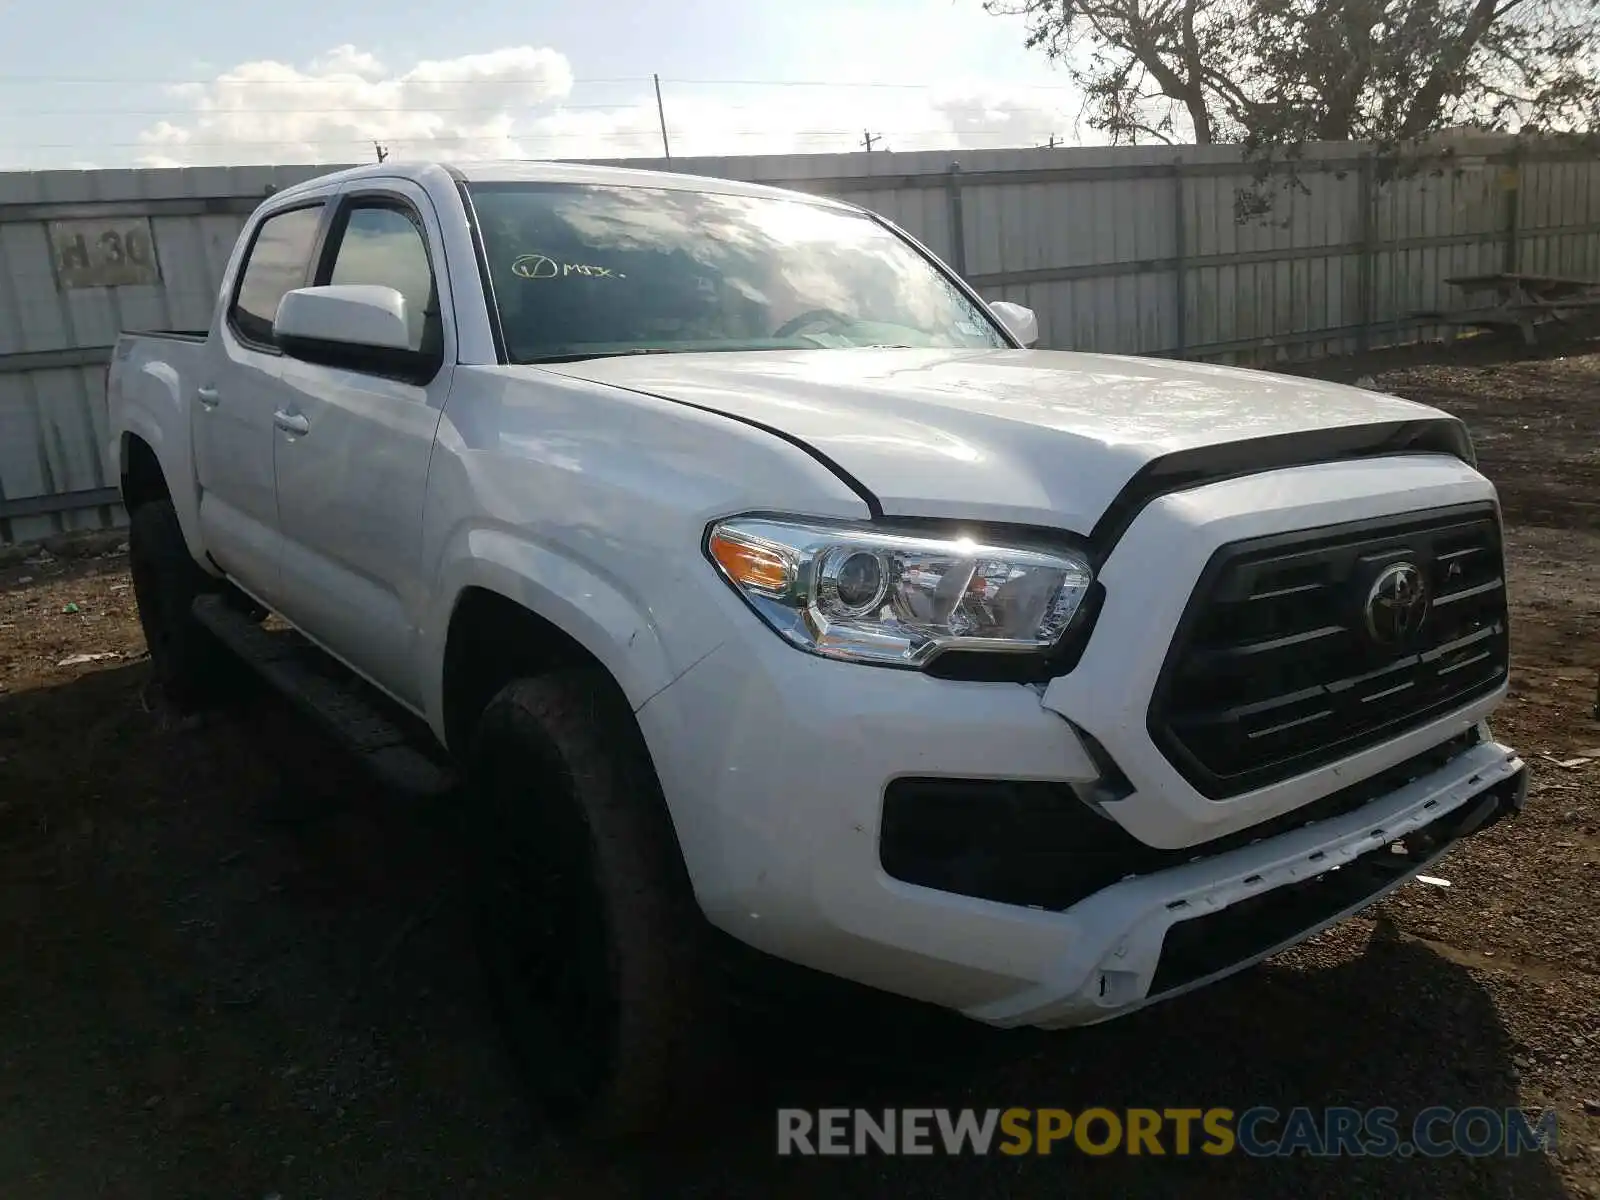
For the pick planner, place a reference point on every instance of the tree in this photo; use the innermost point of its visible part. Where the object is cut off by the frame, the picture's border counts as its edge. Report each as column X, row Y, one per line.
column 1278, row 73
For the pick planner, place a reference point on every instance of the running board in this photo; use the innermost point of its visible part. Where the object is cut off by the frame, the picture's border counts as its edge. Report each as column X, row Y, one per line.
column 346, row 706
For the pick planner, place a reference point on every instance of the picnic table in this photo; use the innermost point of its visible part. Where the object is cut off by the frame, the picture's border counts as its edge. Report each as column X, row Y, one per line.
column 1515, row 300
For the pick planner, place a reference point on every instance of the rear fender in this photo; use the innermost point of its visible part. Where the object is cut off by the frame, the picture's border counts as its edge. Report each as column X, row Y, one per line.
column 151, row 405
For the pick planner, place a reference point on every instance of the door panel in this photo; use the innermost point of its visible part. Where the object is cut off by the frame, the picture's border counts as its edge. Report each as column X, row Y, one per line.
column 233, row 461
column 351, row 486
column 350, row 492
column 235, row 398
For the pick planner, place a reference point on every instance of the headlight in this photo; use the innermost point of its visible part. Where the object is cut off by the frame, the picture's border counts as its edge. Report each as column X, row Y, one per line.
column 898, row 599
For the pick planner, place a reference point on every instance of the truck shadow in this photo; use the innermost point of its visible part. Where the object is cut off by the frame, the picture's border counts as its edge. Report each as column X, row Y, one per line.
column 1391, row 1025
column 247, row 969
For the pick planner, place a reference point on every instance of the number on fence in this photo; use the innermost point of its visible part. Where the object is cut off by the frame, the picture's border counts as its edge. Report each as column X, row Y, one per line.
column 119, row 252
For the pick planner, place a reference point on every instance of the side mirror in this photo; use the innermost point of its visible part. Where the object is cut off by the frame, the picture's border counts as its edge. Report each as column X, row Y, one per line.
column 1020, row 322
column 358, row 326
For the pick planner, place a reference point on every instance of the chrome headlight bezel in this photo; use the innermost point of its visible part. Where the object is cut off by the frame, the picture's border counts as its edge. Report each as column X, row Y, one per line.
column 791, row 571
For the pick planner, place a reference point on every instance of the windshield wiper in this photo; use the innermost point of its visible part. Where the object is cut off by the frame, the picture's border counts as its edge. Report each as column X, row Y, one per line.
column 581, row 355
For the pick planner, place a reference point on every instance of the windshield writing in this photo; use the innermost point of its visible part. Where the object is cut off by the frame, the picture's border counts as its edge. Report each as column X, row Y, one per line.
column 586, row 270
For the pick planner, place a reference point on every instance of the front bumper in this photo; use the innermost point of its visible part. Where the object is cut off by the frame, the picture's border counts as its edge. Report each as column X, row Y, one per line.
column 782, row 845
column 774, row 764
column 1158, row 936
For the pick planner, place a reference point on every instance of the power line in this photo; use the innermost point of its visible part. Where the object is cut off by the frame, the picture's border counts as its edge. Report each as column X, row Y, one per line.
column 321, row 81
column 208, row 122
column 363, row 139
column 844, row 83
column 355, row 109
column 223, row 79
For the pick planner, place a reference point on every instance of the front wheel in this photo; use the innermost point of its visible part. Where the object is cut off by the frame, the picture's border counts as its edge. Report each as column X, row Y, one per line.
column 592, row 942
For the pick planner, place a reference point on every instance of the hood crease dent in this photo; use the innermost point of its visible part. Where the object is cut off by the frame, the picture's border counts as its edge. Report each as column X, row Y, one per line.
column 1029, row 437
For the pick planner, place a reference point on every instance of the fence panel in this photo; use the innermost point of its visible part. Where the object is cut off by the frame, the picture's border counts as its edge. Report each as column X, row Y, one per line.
column 1170, row 251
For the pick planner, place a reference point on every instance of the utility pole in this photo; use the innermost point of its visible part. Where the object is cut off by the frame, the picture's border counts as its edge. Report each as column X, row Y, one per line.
column 661, row 112
column 868, row 138
column 381, row 151
column 1051, row 144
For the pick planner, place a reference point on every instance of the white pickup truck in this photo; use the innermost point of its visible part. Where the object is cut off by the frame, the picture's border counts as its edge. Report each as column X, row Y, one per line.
column 737, row 568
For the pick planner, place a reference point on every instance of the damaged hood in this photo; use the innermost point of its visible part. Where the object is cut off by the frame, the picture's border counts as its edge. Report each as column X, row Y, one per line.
column 1038, row 437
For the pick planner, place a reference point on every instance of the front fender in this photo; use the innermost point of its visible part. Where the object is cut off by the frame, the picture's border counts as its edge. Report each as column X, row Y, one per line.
column 590, row 609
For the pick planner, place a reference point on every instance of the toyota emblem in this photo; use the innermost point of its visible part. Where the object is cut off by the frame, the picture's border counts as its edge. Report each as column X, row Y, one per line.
column 1398, row 603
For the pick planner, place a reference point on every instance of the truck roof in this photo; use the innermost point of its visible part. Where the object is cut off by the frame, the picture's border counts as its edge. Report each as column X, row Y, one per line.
column 537, row 171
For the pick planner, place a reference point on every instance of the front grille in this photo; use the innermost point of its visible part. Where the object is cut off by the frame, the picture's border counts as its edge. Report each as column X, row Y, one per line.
column 1274, row 670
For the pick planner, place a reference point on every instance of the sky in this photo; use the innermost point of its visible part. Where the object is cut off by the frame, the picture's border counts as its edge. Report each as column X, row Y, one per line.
column 118, row 83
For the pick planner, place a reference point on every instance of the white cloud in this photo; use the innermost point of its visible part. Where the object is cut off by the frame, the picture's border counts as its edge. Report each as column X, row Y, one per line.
column 338, row 105
column 516, row 102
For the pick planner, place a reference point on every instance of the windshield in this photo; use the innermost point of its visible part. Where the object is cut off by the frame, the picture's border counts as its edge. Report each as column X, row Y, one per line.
column 582, row 271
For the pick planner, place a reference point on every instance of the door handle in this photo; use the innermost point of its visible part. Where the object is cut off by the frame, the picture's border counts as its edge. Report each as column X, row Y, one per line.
column 291, row 422
column 208, row 396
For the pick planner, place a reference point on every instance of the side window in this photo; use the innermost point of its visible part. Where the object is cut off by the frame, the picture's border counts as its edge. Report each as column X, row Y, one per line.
column 276, row 264
column 384, row 246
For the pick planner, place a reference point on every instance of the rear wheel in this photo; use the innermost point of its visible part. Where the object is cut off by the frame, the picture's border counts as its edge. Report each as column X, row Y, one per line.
column 190, row 667
column 592, row 941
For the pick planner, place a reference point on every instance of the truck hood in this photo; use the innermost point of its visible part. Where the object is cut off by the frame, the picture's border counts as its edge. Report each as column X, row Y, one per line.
column 1037, row 437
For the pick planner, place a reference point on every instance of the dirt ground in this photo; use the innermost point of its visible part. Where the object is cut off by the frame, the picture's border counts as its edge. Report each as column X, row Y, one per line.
column 233, row 968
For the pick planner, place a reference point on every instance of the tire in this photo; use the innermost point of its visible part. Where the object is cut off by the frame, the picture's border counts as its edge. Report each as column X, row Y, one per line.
column 593, row 945
column 191, row 668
